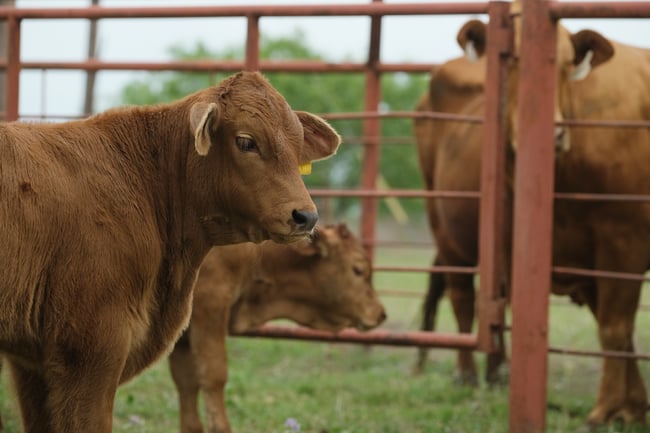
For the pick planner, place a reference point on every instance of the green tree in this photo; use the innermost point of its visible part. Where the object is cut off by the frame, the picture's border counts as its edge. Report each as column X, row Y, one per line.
column 317, row 93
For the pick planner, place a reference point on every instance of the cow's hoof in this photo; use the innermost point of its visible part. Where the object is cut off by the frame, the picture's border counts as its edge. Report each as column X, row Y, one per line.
column 500, row 378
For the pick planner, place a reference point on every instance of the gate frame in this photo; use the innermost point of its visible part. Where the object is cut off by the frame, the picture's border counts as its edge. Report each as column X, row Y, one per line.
column 531, row 264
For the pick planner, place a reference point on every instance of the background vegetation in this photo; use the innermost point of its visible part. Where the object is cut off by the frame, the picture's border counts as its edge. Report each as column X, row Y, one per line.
column 317, row 93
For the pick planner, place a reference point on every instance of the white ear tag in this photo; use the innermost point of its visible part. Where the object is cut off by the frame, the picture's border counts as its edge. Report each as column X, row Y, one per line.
column 470, row 52
column 583, row 68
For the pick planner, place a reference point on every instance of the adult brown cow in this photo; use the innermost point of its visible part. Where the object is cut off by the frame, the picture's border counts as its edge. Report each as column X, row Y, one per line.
column 455, row 87
column 104, row 223
column 324, row 285
column 602, row 235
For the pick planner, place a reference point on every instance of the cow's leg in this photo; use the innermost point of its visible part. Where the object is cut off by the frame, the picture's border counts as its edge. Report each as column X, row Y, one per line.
column 460, row 289
column 494, row 374
column 1, row 425
column 183, row 369
column 31, row 390
column 208, row 343
column 82, row 371
column 429, row 311
column 622, row 393
column 82, row 396
column 496, row 371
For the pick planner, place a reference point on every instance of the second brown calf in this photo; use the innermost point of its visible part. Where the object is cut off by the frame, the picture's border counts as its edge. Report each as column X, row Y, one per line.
column 325, row 284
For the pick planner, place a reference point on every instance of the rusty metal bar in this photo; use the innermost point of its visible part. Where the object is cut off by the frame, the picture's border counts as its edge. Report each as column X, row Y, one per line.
column 602, row 197
column 253, row 42
column 378, row 337
column 357, row 115
column 492, row 235
column 306, row 66
column 599, row 354
column 429, row 269
column 371, row 128
column 402, row 114
column 375, row 9
column 613, row 9
column 13, row 69
column 533, row 210
column 402, row 193
column 605, row 123
column 599, row 274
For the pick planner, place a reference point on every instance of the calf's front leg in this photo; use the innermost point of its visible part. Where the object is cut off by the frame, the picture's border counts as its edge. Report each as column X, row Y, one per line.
column 183, row 370
column 208, row 343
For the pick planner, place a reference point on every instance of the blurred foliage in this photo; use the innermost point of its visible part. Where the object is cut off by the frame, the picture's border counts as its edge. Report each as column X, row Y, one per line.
column 318, row 93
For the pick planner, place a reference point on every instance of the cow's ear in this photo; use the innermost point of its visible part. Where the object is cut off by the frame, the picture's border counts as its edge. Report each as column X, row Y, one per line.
column 472, row 38
column 203, row 118
column 591, row 49
column 343, row 231
column 321, row 140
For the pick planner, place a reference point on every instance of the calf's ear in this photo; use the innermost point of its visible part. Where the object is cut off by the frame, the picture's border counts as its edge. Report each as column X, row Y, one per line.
column 316, row 245
column 591, row 49
column 472, row 38
column 307, row 247
column 321, row 140
column 203, row 118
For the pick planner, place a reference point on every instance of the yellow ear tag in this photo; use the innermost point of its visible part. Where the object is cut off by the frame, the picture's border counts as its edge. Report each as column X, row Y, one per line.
column 305, row 168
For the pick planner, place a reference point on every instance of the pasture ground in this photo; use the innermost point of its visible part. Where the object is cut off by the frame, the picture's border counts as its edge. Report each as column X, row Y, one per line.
column 344, row 388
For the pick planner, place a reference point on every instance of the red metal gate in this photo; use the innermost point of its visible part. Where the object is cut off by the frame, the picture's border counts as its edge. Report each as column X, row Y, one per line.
column 533, row 193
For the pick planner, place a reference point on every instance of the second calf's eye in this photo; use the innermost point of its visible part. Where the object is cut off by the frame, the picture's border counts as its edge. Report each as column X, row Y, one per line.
column 246, row 144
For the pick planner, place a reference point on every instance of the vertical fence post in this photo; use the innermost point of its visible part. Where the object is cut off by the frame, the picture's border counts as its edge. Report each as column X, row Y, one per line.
column 371, row 133
column 533, row 211
column 492, row 237
column 253, row 43
column 13, row 67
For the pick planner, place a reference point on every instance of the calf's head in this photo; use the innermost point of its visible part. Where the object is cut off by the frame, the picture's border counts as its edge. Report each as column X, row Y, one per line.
column 327, row 285
column 250, row 149
column 577, row 54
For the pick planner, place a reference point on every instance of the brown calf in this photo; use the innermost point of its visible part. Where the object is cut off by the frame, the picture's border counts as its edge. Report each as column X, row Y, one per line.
column 104, row 223
column 325, row 285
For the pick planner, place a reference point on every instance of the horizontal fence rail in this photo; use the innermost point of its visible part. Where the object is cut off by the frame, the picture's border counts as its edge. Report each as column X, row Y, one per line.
column 401, row 193
column 378, row 337
column 296, row 66
column 332, row 10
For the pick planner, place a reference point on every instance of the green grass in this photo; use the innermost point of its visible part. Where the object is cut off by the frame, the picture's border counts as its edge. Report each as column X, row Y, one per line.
column 345, row 388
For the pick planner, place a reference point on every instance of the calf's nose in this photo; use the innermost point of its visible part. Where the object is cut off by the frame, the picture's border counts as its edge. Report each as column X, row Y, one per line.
column 305, row 220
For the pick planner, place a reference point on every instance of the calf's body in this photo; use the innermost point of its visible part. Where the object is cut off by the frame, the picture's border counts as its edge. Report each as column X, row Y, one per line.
column 105, row 221
column 324, row 285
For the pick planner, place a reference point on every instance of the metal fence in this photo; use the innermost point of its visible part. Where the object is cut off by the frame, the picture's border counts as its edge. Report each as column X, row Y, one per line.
column 534, row 195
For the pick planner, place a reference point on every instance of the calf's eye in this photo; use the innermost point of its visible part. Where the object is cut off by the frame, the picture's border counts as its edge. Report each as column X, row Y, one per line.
column 246, row 144
column 358, row 270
